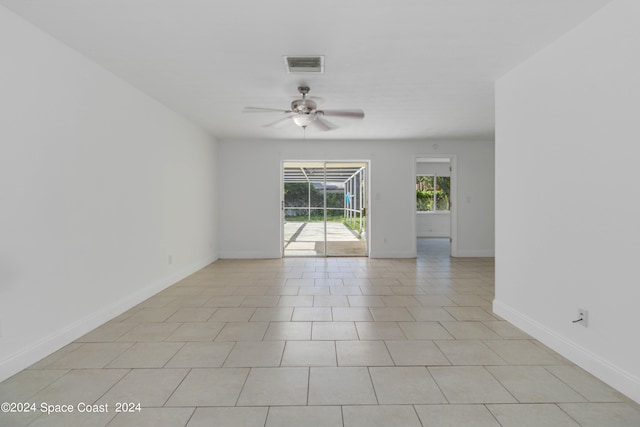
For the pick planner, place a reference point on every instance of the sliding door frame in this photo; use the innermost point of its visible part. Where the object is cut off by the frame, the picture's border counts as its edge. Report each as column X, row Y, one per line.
column 367, row 189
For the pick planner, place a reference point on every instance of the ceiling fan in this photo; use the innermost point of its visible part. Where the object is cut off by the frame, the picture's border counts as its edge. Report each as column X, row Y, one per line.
column 304, row 112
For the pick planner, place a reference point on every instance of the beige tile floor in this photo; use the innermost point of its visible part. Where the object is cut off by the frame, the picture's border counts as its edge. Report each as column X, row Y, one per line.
column 349, row 342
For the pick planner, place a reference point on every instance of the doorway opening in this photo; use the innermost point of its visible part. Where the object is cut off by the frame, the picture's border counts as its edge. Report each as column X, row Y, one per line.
column 324, row 208
column 435, row 202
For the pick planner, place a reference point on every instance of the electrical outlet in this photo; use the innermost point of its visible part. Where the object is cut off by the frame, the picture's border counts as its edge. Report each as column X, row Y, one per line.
column 582, row 317
column 170, row 259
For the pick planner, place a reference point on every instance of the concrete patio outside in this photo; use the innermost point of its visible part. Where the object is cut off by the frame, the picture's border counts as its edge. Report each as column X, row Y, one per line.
column 307, row 239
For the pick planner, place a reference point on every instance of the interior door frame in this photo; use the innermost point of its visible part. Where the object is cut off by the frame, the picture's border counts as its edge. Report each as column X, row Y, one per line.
column 453, row 198
column 367, row 164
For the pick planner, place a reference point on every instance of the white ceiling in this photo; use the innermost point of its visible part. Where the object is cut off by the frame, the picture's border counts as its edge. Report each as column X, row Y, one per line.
column 418, row 68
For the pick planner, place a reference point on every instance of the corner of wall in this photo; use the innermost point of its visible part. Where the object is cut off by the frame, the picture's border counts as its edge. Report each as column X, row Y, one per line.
column 611, row 374
column 19, row 360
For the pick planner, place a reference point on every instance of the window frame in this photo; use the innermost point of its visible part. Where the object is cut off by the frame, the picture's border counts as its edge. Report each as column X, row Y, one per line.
column 435, row 196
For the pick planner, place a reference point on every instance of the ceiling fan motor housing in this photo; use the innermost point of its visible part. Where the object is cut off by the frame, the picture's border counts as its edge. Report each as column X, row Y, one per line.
column 304, row 105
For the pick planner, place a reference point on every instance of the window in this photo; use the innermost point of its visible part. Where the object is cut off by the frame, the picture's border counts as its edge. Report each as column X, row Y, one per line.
column 432, row 193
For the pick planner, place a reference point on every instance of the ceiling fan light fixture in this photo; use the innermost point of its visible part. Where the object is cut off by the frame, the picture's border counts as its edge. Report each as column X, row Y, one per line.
column 303, row 120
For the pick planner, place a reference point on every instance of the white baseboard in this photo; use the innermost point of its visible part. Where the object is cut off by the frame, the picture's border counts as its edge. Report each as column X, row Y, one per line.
column 36, row 351
column 476, row 253
column 249, row 255
column 606, row 371
column 262, row 255
column 382, row 254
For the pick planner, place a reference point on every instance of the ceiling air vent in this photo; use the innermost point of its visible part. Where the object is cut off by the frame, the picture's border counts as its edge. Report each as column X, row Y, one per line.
column 304, row 64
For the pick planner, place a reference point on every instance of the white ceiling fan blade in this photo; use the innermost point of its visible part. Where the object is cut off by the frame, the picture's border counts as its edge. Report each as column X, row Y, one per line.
column 352, row 114
column 278, row 122
column 263, row 110
column 322, row 124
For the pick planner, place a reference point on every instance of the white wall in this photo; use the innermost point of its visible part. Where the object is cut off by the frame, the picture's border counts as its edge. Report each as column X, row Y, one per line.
column 433, row 168
column 250, row 170
column 567, row 129
column 433, row 224
column 99, row 185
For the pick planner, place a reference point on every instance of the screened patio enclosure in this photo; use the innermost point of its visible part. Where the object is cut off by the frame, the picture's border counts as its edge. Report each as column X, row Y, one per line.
column 324, row 209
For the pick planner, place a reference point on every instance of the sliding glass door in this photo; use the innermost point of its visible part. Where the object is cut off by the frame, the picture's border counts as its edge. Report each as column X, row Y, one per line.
column 303, row 209
column 324, row 208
